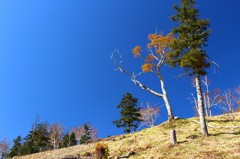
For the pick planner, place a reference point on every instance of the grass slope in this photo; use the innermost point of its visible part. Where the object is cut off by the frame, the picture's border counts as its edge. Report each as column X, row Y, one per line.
column 153, row 143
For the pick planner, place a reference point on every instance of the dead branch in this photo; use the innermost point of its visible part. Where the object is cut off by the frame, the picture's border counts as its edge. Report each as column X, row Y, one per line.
column 132, row 76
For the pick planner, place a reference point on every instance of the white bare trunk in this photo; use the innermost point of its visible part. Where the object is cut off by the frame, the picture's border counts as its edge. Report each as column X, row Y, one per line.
column 201, row 111
column 152, row 122
column 205, row 104
column 54, row 143
column 144, row 87
column 166, row 101
column 206, row 111
column 210, row 111
column 164, row 94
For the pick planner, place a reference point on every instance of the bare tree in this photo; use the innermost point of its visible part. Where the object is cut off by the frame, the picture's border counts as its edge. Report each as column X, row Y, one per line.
column 210, row 98
column 94, row 133
column 56, row 132
column 158, row 50
column 237, row 91
column 4, row 148
column 228, row 101
column 195, row 102
column 80, row 132
column 149, row 115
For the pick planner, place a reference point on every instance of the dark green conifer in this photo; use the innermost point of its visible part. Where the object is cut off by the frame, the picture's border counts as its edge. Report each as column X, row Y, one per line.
column 130, row 113
column 189, row 53
column 192, row 34
column 37, row 140
column 86, row 137
column 69, row 140
column 16, row 149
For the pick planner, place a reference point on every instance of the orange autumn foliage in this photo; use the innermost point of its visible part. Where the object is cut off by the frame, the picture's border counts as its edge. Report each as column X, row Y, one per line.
column 160, row 42
column 149, row 58
column 136, row 51
column 158, row 49
column 147, row 67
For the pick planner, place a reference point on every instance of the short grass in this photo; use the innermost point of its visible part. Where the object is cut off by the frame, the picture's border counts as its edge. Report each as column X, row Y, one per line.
column 153, row 143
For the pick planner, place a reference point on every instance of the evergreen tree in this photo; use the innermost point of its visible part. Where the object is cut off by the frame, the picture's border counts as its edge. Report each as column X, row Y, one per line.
column 86, row 137
column 28, row 145
column 130, row 113
column 37, row 140
column 16, row 149
column 69, row 140
column 192, row 33
column 41, row 137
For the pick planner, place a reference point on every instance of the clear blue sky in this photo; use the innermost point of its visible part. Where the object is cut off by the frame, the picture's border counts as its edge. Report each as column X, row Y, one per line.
column 55, row 59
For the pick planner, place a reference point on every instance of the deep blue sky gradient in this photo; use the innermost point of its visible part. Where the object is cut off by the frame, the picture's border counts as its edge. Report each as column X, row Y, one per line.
column 55, row 59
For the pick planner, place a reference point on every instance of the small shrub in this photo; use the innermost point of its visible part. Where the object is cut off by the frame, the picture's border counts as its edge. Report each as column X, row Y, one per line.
column 101, row 151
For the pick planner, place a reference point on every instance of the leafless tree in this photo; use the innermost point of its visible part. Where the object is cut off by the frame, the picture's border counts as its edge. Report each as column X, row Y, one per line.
column 228, row 101
column 237, row 91
column 56, row 132
column 195, row 102
column 79, row 132
column 4, row 148
column 149, row 115
column 94, row 133
column 210, row 98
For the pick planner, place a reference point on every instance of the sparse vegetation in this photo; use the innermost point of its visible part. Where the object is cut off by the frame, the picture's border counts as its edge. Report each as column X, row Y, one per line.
column 184, row 47
column 154, row 142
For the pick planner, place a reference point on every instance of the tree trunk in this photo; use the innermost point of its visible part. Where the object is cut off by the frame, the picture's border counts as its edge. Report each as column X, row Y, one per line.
column 206, row 111
column 210, row 111
column 173, row 138
column 166, row 101
column 205, row 104
column 201, row 111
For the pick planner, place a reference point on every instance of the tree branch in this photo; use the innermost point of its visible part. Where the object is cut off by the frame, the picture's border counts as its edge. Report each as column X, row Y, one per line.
column 132, row 75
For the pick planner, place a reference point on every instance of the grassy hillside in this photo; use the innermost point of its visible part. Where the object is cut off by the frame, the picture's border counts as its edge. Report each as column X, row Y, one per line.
column 223, row 143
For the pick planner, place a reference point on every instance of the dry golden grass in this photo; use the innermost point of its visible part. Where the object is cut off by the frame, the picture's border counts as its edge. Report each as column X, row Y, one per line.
column 153, row 143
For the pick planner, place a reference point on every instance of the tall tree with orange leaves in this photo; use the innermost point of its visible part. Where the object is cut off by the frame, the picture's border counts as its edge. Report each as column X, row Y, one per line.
column 157, row 51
